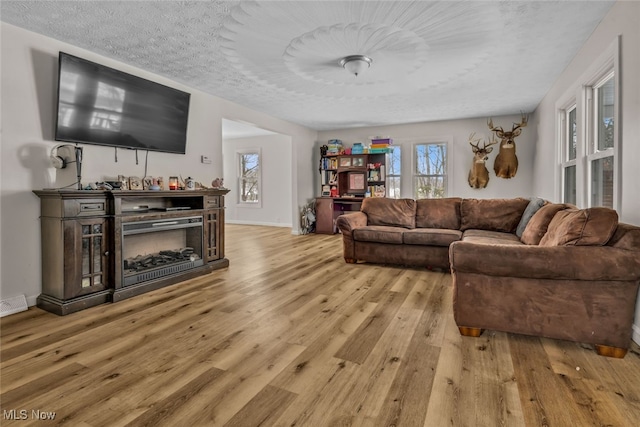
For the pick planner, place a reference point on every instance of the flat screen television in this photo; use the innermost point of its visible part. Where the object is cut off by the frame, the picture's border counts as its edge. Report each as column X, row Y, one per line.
column 103, row 106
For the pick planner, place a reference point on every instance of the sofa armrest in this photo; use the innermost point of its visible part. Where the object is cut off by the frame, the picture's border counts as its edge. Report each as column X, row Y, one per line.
column 554, row 262
column 350, row 221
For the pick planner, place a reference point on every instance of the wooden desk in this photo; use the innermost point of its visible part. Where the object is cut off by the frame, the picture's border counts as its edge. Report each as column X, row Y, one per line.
column 328, row 209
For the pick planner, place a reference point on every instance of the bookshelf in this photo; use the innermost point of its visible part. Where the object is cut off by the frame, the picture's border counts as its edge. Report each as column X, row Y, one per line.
column 345, row 180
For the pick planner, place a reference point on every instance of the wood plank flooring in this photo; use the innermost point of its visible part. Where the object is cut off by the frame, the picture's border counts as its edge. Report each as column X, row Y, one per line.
column 291, row 335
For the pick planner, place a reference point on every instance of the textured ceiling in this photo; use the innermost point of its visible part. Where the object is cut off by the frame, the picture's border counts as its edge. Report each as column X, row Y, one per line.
column 431, row 60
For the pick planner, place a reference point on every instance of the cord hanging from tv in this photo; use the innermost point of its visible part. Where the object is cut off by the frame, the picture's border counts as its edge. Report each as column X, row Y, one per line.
column 104, row 106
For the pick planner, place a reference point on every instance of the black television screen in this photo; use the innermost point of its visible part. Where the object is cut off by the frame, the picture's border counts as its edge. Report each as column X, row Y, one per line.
column 104, row 106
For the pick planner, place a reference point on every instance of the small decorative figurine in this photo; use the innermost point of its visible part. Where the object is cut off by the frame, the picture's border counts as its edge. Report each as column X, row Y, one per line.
column 217, row 183
column 190, row 183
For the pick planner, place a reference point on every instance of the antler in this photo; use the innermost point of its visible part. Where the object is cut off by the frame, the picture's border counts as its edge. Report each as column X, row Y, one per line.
column 491, row 142
column 471, row 140
column 492, row 127
column 476, row 146
column 523, row 122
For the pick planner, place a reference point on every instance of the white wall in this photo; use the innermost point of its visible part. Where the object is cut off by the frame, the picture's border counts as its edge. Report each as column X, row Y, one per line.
column 460, row 155
column 622, row 19
column 29, row 81
column 275, row 192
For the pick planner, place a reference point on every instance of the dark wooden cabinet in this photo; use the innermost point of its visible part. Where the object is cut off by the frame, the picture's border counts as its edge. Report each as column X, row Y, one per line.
column 76, row 252
column 213, row 227
column 88, row 273
column 324, row 215
column 83, row 237
column 328, row 209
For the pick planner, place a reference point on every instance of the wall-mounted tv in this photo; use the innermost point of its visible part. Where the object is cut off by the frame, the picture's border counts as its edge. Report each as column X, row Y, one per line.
column 103, row 106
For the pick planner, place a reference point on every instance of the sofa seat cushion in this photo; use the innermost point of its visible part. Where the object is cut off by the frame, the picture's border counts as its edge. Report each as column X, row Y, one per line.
column 379, row 234
column 438, row 213
column 431, row 236
column 490, row 237
column 581, row 227
column 392, row 212
column 492, row 214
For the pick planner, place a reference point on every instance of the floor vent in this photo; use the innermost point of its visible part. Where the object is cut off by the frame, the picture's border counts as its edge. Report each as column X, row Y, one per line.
column 13, row 305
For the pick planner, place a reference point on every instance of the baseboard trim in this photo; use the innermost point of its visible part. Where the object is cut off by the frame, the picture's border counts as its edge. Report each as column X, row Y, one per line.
column 635, row 336
column 267, row 224
column 32, row 300
column 9, row 306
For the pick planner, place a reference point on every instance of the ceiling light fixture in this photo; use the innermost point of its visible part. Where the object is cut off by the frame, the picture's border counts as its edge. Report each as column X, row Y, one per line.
column 356, row 64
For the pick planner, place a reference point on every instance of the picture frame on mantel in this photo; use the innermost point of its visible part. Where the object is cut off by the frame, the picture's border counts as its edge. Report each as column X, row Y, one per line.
column 124, row 182
column 135, row 183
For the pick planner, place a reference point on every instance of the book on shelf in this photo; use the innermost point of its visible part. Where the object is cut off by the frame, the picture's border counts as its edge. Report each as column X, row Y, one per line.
column 329, row 163
column 328, row 177
column 377, row 190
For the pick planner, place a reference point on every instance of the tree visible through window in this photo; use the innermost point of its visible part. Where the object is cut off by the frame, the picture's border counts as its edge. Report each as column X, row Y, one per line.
column 394, row 172
column 430, row 173
column 601, row 153
column 249, row 177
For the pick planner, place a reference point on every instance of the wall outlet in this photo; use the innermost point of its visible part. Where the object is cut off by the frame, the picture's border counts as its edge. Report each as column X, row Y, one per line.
column 205, row 159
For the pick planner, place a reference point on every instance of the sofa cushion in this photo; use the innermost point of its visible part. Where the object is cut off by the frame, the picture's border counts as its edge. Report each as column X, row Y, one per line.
column 431, row 236
column 581, row 227
column 534, row 205
column 490, row 237
column 627, row 237
column 393, row 212
column 378, row 234
column 537, row 226
column 438, row 213
column 492, row 214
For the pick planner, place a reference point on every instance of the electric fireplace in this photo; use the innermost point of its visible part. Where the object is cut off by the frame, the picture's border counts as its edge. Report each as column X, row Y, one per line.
column 152, row 249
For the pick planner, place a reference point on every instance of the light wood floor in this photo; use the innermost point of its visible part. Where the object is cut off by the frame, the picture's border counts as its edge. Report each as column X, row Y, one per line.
column 291, row 335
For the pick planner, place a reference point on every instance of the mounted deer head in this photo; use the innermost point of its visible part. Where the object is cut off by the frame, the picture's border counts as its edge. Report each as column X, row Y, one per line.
column 479, row 175
column 506, row 163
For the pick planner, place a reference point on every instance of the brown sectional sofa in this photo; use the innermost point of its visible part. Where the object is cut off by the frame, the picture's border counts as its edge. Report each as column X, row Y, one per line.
column 521, row 266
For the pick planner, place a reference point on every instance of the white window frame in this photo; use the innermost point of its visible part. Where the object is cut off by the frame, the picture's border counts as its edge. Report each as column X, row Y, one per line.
column 565, row 134
column 414, row 163
column 591, row 127
column 581, row 94
column 239, row 154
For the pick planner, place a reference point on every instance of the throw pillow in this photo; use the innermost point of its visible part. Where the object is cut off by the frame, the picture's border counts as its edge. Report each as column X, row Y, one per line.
column 581, row 227
column 534, row 205
column 492, row 214
column 391, row 212
column 539, row 222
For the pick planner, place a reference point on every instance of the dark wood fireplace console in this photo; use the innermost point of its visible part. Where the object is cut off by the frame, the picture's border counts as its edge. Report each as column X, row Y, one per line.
column 87, row 234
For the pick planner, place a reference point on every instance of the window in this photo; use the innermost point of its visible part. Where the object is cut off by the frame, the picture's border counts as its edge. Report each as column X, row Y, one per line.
column 430, row 172
column 394, row 172
column 249, row 177
column 589, row 135
column 601, row 128
column 569, row 153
